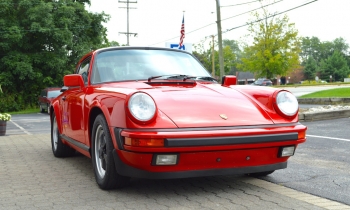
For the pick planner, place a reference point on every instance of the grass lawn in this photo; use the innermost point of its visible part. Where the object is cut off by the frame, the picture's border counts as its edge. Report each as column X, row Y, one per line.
column 27, row 111
column 336, row 93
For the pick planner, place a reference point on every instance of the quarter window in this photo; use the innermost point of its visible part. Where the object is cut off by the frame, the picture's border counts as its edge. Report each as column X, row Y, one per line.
column 83, row 69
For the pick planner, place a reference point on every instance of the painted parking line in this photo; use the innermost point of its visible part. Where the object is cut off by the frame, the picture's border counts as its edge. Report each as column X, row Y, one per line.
column 18, row 126
column 308, row 198
column 325, row 137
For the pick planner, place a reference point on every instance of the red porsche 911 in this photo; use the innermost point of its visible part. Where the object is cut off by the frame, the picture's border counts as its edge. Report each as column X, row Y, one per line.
column 156, row 113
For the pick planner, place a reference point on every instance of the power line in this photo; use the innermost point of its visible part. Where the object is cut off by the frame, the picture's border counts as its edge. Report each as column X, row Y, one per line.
column 215, row 22
column 270, row 16
column 239, row 4
column 252, row 10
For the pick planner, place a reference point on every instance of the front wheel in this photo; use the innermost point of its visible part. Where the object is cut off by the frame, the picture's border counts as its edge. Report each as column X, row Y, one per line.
column 58, row 148
column 102, row 157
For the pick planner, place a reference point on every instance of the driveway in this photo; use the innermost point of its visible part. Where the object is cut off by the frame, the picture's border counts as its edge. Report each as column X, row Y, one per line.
column 32, row 178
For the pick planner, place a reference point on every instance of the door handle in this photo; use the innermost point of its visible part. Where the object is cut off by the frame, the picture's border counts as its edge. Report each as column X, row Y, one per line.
column 64, row 98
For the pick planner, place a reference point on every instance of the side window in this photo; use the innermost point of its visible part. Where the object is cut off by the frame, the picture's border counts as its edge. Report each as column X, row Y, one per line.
column 84, row 69
column 43, row 93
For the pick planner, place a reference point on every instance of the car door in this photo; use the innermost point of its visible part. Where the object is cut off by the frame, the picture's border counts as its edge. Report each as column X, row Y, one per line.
column 73, row 106
column 42, row 98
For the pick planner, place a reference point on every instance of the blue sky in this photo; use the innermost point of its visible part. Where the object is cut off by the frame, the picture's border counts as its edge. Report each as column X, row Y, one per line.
column 159, row 21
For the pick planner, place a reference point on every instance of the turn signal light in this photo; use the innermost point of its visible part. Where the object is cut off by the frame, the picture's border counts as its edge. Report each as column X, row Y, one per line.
column 301, row 135
column 144, row 142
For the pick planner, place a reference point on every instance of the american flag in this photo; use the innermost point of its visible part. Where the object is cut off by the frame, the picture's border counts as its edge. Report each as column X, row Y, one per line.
column 182, row 31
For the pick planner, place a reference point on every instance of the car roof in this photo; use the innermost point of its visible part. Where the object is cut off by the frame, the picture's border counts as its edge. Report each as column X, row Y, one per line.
column 130, row 47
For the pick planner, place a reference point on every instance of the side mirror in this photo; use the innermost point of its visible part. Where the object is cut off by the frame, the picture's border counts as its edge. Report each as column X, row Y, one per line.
column 73, row 80
column 229, row 80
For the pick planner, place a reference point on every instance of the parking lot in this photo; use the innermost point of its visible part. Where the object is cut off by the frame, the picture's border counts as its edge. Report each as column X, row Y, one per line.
column 32, row 178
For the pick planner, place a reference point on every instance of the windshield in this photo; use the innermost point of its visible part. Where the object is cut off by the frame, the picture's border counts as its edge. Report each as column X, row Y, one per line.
column 138, row 64
column 258, row 82
column 53, row 93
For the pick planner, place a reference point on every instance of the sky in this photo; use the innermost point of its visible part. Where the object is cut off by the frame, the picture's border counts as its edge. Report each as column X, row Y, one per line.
column 159, row 21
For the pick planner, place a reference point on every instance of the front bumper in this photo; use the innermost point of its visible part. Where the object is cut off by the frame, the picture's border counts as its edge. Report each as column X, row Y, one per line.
column 130, row 171
column 238, row 150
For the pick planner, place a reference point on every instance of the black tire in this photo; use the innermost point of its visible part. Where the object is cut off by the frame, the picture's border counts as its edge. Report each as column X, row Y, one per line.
column 58, row 148
column 41, row 109
column 259, row 174
column 102, row 157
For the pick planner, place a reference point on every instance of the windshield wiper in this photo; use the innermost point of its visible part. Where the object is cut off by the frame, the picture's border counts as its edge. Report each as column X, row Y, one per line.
column 173, row 76
column 207, row 79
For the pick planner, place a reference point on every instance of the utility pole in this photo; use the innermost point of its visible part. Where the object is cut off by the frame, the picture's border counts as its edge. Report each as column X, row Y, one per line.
column 221, row 56
column 213, row 58
column 127, row 11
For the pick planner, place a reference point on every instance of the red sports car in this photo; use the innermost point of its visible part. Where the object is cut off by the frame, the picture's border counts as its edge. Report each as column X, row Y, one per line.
column 156, row 113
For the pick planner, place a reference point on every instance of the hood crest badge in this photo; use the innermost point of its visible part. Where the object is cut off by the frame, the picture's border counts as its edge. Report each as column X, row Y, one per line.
column 223, row 116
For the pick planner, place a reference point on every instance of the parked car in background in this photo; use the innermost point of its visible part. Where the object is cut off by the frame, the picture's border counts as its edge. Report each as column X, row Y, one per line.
column 157, row 113
column 46, row 97
column 262, row 82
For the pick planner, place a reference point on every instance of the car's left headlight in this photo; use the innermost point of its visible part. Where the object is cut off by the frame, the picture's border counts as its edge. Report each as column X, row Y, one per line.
column 142, row 107
column 287, row 103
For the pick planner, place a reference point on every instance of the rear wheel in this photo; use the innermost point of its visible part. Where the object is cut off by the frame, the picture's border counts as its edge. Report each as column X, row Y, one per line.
column 102, row 157
column 42, row 110
column 58, row 148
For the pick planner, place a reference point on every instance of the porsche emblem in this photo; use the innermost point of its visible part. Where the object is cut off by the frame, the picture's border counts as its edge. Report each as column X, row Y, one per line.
column 223, row 116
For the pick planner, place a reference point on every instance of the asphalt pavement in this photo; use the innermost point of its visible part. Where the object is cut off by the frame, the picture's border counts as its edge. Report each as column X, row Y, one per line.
column 32, row 178
column 321, row 165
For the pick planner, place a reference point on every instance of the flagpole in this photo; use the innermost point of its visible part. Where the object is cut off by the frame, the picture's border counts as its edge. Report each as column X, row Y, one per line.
column 182, row 31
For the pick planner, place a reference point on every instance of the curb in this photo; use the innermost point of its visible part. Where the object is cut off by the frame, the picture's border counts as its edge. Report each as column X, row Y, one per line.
column 324, row 115
column 323, row 101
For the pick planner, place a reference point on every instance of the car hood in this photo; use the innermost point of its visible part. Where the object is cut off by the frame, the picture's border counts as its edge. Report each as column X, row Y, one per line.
column 207, row 106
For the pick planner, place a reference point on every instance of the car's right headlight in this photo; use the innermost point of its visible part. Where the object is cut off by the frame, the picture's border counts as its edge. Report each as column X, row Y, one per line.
column 142, row 107
column 287, row 103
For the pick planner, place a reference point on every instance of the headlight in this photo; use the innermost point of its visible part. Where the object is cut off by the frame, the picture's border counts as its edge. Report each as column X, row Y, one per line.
column 287, row 103
column 142, row 106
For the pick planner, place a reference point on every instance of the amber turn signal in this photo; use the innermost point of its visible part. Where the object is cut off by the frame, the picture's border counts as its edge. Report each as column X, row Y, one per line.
column 144, row 142
column 301, row 135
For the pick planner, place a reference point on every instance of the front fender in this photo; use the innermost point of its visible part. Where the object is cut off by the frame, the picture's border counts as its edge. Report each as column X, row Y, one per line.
column 55, row 109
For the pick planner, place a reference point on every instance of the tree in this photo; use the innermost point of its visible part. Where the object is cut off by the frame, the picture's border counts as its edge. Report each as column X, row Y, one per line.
column 310, row 69
column 275, row 48
column 310, row 48
column 40, row 41
column 205, row 57
column 313, row 47
column 335, row 66
column 325, row 58
column 236, row 50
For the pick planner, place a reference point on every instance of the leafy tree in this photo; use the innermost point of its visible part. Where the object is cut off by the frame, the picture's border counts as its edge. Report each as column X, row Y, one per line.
column 310, row 69
column 335, row 66
column 236, row 50
column 310, row 48
column 205, row 57
column 327, row 55
column 40, row 41
column 275, row 48
column 313, row 47
column 340, row 45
